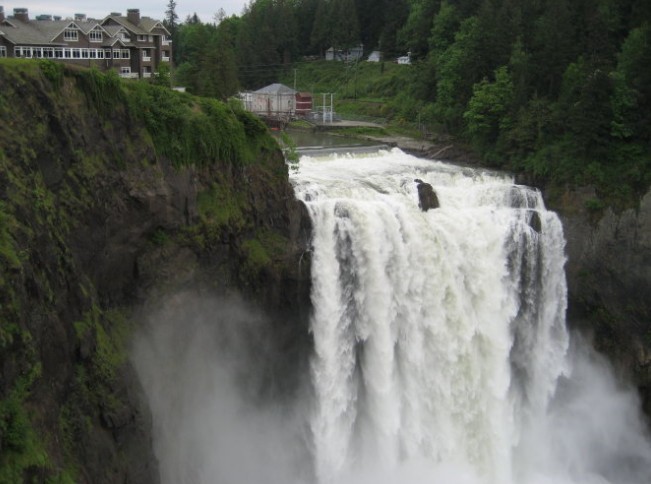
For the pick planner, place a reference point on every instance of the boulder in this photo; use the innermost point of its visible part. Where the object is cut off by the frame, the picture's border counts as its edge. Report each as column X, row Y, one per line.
column 426, row 196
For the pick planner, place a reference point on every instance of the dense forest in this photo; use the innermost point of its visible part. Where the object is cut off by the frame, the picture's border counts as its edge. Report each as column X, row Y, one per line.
column 559, row 89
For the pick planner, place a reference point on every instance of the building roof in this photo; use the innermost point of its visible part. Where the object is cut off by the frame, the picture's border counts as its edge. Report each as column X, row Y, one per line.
column 44, row 31
column 276, row 88
column 18, row 32
column 37, row 32
column 145, row 26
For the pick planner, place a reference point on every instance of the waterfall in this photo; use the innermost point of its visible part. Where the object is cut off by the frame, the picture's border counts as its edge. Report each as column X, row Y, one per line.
column 440, row 353
column 439, row 336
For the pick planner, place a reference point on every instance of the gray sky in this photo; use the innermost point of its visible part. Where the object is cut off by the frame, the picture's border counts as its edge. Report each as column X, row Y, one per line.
column 150, row 8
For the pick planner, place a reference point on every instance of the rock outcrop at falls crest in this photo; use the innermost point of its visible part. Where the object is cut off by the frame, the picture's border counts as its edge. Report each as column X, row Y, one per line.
column 107, row 202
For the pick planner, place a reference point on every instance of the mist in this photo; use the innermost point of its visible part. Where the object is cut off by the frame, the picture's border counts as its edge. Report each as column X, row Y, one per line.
column 593, row 431
column 207, row 367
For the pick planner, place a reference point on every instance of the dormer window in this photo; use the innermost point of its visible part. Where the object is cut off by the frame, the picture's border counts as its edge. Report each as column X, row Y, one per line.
column 95, row 36
column 125, row 37
column 71, row 35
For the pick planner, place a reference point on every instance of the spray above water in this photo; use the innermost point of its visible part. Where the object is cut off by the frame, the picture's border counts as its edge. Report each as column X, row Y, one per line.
column 440, row 353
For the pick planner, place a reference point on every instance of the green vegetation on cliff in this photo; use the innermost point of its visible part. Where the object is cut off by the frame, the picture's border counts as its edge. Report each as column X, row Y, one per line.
column 97, row 176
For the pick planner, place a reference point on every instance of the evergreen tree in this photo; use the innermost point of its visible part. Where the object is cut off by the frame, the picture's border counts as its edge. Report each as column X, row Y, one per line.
column 415, row 33
column 345, row 26
column 321, row 38
column 171, row 18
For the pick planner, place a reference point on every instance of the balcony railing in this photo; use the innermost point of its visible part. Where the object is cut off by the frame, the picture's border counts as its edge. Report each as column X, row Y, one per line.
column 129, row 75
column 146, row 58
column 146, row 75
column 165, row 58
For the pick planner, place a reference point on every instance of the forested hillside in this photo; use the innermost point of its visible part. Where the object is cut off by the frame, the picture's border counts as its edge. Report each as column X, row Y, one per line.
column 558, row 89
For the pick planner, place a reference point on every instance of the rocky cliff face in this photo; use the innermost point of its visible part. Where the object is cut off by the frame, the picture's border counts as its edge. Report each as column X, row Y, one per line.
column 609, row 279
column 99, row 216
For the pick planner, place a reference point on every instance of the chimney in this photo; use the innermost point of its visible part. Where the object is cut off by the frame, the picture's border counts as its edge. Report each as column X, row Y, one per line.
column 21, row 14
column 80, row 17
column 2, row 14
column 57, row 17
column 116, row 14
column 133, row 15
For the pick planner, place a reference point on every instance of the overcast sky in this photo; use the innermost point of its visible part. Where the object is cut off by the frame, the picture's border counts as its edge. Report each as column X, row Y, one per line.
column 150, row 8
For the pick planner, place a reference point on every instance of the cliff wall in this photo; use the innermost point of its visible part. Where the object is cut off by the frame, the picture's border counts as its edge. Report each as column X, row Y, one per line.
column 115, row 195
column 609, row 281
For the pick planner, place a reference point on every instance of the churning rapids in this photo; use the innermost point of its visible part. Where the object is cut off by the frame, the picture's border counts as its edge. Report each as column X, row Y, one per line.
column 440, row 350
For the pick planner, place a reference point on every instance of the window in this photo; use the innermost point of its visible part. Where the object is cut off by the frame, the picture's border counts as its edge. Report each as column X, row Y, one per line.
column 124, row 37
column 67, row 53
column 125, row 54
column 25, row 52
column 116, row 53
column 165, row 55
column 76, row 53
column 48, row 52
column 3, row 51
column 125, row 70
column 58, row 53
column 143, row 38
column 108, row 54
column 85, row 53
column 70, row 35
column 95, row 36
column 146, row 54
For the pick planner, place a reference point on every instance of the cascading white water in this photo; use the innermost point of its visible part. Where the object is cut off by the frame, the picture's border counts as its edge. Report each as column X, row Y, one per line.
column 439, row 336
column 440, row 350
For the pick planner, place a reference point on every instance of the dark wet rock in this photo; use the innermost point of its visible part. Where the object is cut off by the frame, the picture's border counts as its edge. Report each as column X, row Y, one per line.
column 535, row 222
column 427, row 198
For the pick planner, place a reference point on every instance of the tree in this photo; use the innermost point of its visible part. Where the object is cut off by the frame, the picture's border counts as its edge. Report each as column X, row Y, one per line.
column 192, row 19
column 345, row 27
column 219, row 16
column 171, row 18
column 415, row 33
column 321, row 38
column 457, row 70
column 632, row 95
column 489, row 109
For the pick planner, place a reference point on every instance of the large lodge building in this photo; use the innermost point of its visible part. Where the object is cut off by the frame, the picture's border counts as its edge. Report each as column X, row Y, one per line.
column 134, row 46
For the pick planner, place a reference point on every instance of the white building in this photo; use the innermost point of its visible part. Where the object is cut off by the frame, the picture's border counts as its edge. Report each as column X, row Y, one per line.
column 375, row 56
column 274, row 100
column 346, row 55
column 405, row 59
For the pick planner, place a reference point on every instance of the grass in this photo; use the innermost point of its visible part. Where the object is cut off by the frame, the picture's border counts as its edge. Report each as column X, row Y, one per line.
column 22, row 448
